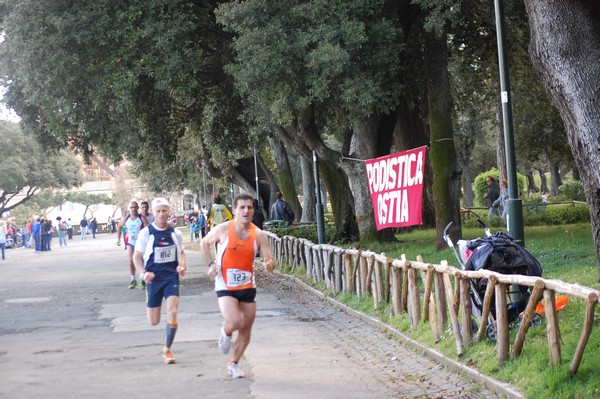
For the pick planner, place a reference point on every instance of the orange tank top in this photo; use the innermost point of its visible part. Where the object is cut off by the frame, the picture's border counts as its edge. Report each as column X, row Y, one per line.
column 237, row 260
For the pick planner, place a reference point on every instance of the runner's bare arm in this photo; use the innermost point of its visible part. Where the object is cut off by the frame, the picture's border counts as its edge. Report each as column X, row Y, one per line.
column 265, row 250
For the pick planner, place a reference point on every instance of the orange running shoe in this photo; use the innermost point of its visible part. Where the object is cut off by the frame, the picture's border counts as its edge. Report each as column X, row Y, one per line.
column 168, row 357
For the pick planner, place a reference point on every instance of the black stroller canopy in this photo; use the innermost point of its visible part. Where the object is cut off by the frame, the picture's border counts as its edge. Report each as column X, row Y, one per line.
column 501, row 253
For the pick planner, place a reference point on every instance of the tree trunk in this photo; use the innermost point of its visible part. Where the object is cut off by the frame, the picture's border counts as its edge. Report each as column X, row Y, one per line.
column 544, row 180
column 309, row 209
column 447, row 175
column 531, row 186
column 555, row 178
column 411, row 132
column 286, row 179
column 467, row 184
column 303, row 140
column 565, row 49
column 363, row 146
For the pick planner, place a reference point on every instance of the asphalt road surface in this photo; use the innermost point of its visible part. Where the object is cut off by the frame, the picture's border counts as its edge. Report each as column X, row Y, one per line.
column 71, row 328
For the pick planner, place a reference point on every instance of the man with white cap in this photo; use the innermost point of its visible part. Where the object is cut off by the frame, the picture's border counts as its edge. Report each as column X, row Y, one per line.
column 160, row 259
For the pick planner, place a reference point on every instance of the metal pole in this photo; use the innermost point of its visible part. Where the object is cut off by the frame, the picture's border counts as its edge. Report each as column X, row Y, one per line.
column 514, row 205
column 256, row 176
column 319, row 206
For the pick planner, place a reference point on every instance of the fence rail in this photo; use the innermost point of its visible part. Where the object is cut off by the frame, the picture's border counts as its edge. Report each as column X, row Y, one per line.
column 440, row 301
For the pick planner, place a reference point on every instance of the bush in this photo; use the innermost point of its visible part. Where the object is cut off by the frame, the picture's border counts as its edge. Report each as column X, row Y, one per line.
column 572, row 191
column 306, row 231
column 480, row 184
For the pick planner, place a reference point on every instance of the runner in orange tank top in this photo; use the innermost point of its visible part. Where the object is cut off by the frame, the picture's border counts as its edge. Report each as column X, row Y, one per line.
column 237, row 260
column 233, row 270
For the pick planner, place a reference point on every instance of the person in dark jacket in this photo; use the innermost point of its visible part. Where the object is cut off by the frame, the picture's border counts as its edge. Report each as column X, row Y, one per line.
column 281, row 210
column 259, row 217
column 492, row 195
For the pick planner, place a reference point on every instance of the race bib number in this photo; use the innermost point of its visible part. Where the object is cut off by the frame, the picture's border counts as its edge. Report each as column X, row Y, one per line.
column 238, row 278
column 165, row 254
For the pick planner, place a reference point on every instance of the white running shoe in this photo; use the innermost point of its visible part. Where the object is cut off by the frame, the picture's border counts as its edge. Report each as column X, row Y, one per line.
column 234, row 370
column 224, row 342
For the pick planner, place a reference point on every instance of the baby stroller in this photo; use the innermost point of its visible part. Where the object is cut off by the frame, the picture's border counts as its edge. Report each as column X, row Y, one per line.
column 14, row 241
column 502, row 254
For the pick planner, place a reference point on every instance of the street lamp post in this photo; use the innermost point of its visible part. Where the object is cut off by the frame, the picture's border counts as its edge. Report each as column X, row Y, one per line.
column 319, row 206
column 514, row 204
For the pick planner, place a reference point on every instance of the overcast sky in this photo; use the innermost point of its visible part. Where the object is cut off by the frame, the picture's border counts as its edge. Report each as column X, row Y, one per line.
column 6, row 114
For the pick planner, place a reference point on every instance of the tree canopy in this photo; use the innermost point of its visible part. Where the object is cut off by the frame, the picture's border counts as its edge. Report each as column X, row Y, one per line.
column 27, row 167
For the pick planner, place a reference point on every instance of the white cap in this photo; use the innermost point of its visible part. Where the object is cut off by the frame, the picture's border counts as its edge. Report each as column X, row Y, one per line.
column 159, row 201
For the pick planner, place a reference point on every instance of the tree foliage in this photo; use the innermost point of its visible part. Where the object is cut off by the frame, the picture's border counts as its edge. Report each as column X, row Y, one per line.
column 27, row 167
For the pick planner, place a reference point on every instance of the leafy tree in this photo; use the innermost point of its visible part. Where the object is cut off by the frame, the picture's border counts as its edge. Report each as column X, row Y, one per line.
column 88, row 200
column 564, row 47
column 324, row 63
column 128, row 79
column 27, row 168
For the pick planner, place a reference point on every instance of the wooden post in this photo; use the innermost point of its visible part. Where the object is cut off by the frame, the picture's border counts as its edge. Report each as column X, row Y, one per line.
column 453, row 317
column 293, row 253
column 318, row 264
column 585, row 333
column 428, row 297
column 363, row 274
column 309, row 261
column 538, row 290
column 456, row 302
column 405, row 286
column 487, row 302
column 465, row 299
column 387, row 282
column 395, row 294
column 336, row 271
column 434, row 322
column 349, row 272
column 440, row 302
column 369, row 276
column 552, row 330
column 502, row 339
column 414, row 302
column 378, row 281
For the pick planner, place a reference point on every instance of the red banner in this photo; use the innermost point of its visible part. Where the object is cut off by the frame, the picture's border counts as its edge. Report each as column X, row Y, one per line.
column 396, row 186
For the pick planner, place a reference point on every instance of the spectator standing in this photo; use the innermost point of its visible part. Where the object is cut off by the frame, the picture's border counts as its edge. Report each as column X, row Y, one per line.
column 44, row 234
column 218, row 213
column 202, row 222
column 62, row 233
column 94, row 227
column 259, row 217
column 50, row 227
column 36, row 232
column 281, row 210
column 83, row 225
column 69, row 229
column 492, row 195
column 27, row 236
column 503, row 198
column 3, row 232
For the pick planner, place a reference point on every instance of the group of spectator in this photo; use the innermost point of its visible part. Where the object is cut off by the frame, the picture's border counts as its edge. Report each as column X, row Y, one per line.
column 200, row 224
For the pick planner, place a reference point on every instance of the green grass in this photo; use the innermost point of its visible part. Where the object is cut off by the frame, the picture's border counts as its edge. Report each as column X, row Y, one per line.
column 567, row 253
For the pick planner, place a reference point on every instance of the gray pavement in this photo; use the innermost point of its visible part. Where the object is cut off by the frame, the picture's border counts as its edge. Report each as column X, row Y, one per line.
column 71, row 328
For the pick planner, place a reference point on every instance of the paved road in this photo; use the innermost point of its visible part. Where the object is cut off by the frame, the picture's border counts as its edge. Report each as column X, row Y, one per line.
column 70, row 328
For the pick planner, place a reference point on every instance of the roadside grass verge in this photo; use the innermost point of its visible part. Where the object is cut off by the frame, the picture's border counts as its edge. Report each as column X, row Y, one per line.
column 567, row 253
